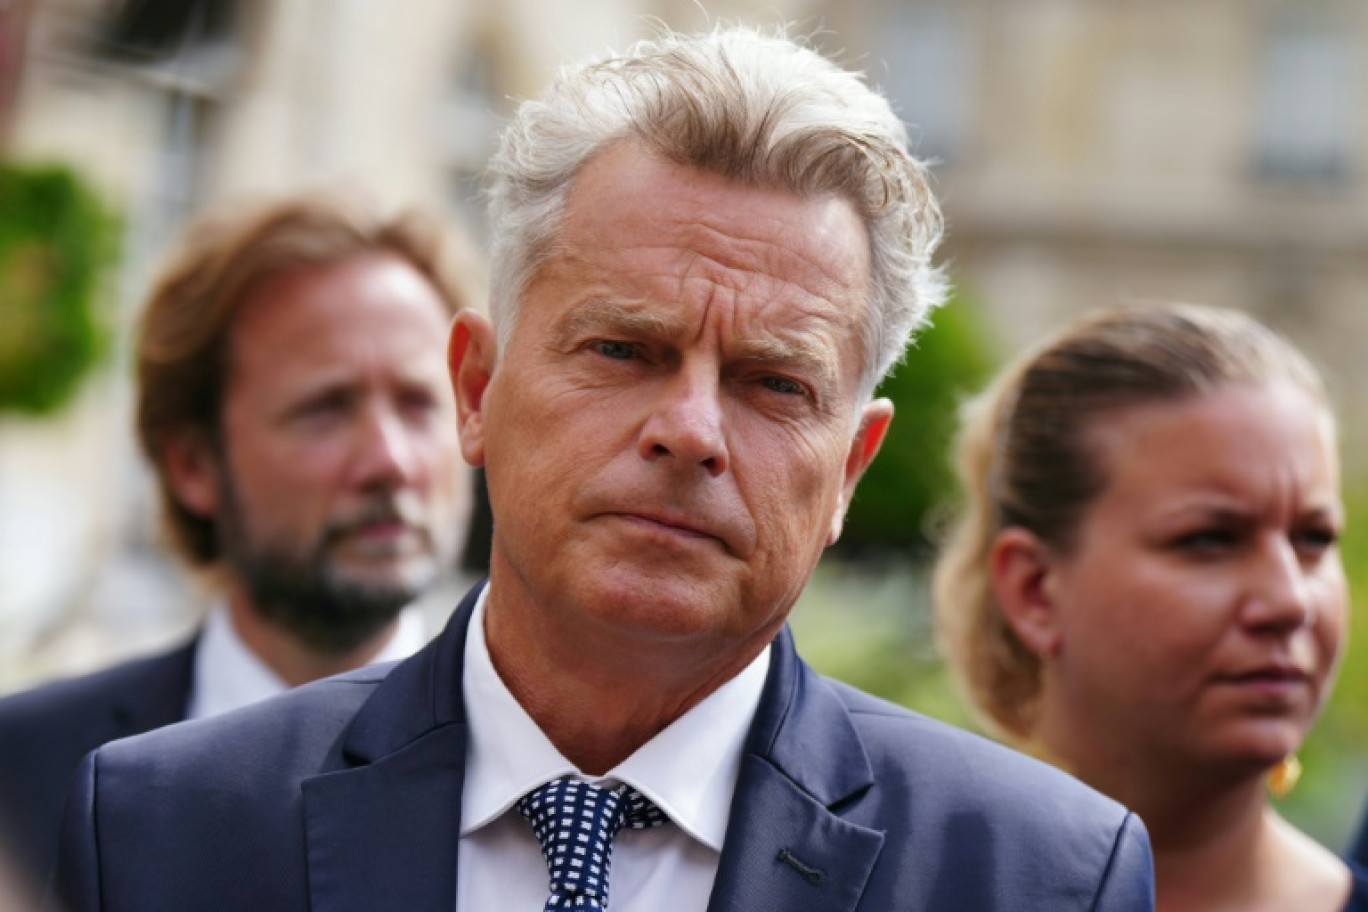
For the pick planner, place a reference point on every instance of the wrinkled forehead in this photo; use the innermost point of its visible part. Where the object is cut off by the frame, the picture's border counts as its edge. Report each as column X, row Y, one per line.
column 653, row 230
column 627, row 190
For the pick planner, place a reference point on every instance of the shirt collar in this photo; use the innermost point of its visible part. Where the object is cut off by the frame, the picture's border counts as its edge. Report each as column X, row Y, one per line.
column 228, row 675
column 689, row 769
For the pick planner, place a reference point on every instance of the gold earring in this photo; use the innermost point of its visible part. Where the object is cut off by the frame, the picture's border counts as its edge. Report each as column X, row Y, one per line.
column 1283, row 778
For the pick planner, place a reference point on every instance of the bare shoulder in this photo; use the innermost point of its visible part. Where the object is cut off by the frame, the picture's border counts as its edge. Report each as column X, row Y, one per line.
column 1310, row 877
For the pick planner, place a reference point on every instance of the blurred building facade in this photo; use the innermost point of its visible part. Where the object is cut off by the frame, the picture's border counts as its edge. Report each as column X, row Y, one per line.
column 1103, row 152
column 1090, row 152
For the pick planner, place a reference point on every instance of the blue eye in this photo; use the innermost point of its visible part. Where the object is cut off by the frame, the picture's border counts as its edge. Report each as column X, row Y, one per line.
column 611, row 348
column 784, row 385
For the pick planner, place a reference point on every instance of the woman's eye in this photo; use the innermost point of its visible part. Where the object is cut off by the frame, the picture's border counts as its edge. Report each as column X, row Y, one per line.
column 611, row 348
column 1206, row 540
column 1316, row 540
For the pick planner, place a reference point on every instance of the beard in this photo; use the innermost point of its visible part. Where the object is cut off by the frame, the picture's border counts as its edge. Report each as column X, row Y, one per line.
column 301, row 588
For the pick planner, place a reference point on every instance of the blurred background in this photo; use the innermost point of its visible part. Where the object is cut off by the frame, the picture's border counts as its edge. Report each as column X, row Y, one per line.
column 1088, row 152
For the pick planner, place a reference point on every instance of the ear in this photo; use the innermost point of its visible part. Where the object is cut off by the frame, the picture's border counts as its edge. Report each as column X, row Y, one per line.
column 192, row 470
column 471, row 353
column 864, row 446
column 1021, row 569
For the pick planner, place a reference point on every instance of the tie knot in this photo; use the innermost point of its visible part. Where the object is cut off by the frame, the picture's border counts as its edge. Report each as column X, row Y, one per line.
column 576, row 822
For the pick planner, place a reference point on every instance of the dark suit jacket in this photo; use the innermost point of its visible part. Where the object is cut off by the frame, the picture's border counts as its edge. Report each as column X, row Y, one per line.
column 346, row 795
column 46, row 731
column 1358, row 850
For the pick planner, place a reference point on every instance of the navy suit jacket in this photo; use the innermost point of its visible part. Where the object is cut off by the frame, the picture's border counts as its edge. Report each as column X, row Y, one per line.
column 346, row 795
column 1358, row 849
column 44, row 733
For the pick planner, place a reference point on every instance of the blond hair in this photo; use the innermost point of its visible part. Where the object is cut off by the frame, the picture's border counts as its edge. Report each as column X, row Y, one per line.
column 1025, row 459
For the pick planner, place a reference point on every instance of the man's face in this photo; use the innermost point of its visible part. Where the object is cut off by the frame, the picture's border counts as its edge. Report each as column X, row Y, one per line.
column 674, row 428
column 338, row 493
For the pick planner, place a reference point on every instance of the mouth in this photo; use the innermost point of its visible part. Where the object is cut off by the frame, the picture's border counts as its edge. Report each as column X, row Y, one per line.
column 1271, row 681
column 381, row 539
column 672, row 526
column 1271, row 672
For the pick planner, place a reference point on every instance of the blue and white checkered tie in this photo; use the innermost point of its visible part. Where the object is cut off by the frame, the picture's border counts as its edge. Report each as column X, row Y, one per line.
column 575, row 822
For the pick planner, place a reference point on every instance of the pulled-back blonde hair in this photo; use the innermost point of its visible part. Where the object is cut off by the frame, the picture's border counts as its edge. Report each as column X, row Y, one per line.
column 1025, row 459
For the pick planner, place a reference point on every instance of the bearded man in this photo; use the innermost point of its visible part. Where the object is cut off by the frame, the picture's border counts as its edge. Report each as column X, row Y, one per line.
column 294, row 401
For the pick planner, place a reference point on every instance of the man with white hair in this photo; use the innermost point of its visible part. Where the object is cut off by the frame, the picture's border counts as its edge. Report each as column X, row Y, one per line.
column 706, row 253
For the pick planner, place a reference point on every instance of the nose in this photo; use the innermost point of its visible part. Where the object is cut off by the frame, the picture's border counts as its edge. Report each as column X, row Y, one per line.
column 385, row 455
column 1279, row 598
column 685, row 424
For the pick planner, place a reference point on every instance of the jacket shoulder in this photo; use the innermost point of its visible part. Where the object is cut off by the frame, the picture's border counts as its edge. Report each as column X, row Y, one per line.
column 45, row 731
column 998, row 824
column 57, row 703
column 171, row 818
column 289, row 733
column 942, row 818
column 969, row 769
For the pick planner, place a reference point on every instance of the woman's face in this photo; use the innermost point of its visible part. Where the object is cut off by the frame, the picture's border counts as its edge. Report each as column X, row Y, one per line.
column 1200, row 613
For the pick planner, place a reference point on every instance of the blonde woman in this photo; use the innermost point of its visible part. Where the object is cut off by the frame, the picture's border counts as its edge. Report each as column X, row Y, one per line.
column 1145, row 586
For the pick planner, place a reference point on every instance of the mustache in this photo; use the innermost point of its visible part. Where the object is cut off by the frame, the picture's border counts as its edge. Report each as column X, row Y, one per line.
column 385, row 507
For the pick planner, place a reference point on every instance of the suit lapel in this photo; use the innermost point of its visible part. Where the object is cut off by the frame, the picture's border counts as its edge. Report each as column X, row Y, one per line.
column 785, row 847
column 383, row 828
column 385, row 835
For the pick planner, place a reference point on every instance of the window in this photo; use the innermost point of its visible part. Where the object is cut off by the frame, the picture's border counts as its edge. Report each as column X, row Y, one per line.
column 149, row 31
column 924, row 47
column 1308, row 96
column 469, row 124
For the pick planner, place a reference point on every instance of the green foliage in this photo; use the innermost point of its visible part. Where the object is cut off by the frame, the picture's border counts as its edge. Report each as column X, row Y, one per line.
column 53, row 245
column 1326, row 802
column 1345, row 713
column 872, row 627
column 912, row 477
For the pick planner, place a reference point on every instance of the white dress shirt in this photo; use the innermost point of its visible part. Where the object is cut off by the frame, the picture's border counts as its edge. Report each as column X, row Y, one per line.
column 689, row 770
column 228, row 675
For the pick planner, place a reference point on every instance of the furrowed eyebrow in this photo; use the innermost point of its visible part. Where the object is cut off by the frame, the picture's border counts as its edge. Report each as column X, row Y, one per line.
column 1332, row 513
column 600, row 316
column 299, row 400
column 1206, row 511
column 796, row 353
column 595, row 317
